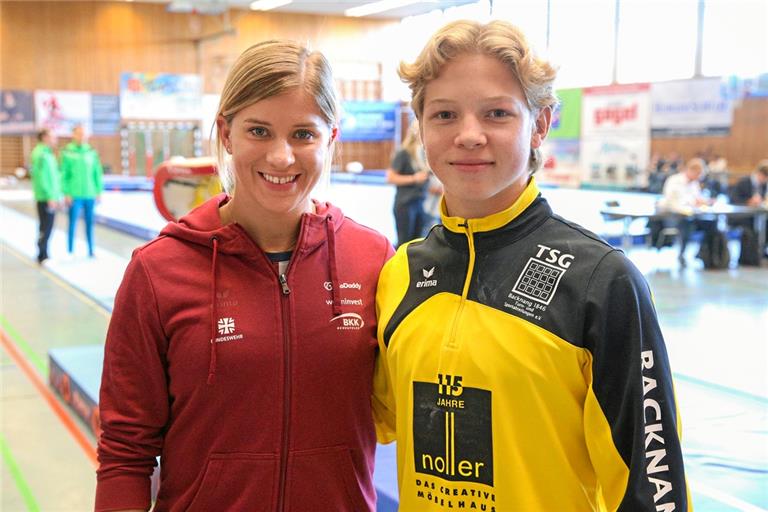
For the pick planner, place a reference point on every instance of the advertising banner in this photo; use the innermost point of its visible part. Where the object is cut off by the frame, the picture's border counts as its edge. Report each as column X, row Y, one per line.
column 105, row 109
column 685, row 108
column 615, row 134
column 160, row 96
column 17, row 112
column 566, row 119
column 369, row 120
column 59, row 111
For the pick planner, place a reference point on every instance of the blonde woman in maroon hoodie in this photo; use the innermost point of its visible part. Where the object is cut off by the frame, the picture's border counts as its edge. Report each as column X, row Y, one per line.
column 242, row 343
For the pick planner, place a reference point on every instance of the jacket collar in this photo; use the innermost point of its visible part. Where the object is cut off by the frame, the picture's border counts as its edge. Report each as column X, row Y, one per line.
column 494, row 221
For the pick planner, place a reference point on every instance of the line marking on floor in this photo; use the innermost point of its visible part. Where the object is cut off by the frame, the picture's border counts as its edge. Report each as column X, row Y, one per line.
column 726, row 498
column 18, row 477
column 80, row 438
column 25, row 347
column 99, row 308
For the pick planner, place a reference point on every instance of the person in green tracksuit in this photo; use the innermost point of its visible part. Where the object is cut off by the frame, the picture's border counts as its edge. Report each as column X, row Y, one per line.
column 521, row 364
column 46, row 185
column 82, row 184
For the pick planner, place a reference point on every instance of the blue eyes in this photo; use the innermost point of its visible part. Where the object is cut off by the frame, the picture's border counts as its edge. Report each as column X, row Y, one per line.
column 496, row 113
column 262, row 132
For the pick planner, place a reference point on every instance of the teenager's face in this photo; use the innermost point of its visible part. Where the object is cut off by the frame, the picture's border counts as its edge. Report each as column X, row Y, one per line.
column 279, row 146
column 478, row 134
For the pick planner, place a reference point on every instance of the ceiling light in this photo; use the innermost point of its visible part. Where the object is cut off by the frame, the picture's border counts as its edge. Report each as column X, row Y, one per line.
column 266, row 5
column 381, row 6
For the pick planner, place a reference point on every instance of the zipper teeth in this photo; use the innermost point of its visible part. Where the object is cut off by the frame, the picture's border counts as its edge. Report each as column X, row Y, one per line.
column 465, row 290
column 286, row 407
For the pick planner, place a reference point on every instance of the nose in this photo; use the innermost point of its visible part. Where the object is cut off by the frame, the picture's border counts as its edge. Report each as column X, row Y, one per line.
column 280, row 155
column 471, row 134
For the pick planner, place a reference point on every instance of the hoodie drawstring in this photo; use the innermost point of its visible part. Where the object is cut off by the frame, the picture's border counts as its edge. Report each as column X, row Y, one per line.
column 331, row 236
column 212, row 365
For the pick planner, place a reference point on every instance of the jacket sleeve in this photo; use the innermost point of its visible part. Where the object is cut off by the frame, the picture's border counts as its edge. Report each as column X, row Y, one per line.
column 133, row 401
column 383, row 399
column 98, row 174
column 66, row 173
column 631, row 423
column 41, row 174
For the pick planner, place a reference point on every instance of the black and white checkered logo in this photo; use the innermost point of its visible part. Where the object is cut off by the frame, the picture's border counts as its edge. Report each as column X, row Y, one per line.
column 538, row 281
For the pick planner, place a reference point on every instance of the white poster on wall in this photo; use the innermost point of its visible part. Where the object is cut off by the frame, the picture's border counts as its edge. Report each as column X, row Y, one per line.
column 685, row 108
column 615, row 134
column 59, row 111
column 160, row 96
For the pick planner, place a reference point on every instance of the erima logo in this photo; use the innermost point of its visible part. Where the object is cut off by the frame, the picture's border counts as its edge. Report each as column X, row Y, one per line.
column 427, row 282
column 226, row 326
column 348, row 321
column 343, row 286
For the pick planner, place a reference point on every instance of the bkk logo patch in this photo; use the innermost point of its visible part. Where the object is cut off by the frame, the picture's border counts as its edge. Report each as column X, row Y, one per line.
column 226, row 327
column 452, row 436
column 348, row 322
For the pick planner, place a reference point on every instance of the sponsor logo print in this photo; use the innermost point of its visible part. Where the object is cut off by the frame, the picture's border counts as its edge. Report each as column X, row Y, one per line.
column 343, row 286
column 452, row 430
column 539, row 279
column 226, row 327
column 348, row 322
column 427, row 282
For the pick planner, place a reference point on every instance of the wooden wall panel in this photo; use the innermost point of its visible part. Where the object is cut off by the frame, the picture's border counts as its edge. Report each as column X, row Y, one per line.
column 746, row 145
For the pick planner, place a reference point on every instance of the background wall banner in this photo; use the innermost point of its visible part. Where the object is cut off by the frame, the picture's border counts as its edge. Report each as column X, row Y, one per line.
column 566, row 120
column 157, row 96
column 17, row 112
column 105, row 112
column 615, row 133
column 685, row 108
column 59, row 111
column 369, row 120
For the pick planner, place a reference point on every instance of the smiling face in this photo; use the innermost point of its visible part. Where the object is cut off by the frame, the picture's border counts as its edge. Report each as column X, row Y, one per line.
column 478, row 133
column 279, row 147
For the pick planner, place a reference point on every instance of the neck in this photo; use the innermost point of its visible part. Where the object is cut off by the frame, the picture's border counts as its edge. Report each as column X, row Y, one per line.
column 272, row 233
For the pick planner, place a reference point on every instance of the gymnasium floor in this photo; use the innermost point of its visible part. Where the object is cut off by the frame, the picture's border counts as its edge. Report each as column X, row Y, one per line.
column 715, row 324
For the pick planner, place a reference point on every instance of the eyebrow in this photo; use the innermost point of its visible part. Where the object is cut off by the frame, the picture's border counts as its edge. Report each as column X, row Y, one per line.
column 484, row 100
column 307, row 124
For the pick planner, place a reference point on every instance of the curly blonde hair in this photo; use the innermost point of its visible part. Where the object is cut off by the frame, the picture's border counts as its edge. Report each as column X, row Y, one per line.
column 497, row 39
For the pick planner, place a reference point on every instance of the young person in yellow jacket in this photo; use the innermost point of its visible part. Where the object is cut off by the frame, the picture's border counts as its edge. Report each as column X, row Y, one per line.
column 521, row 364
column 46, row 185
column 82, row 182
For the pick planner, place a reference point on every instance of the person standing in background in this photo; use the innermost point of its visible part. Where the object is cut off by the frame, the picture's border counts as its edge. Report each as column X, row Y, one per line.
column 82, row 184
column 409, row 173
column 46, row 184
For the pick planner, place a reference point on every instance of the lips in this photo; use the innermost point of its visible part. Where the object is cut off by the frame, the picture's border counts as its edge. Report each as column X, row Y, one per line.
column 279, row 180
column 471, row 164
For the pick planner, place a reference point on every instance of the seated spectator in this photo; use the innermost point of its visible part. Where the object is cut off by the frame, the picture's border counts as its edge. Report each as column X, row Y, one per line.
column 683, row 194
column 750, row 191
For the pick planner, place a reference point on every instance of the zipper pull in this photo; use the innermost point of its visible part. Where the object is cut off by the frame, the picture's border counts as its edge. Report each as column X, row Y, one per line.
column 284, row 284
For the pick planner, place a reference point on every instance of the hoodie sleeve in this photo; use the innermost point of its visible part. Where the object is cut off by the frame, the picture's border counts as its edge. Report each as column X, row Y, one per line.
column 98, row 174
column 630, row 417
column 66, row 172
column 133, row 401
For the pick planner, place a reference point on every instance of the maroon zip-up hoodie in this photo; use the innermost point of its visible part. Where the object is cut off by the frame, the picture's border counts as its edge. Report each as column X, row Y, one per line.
column 275, row 415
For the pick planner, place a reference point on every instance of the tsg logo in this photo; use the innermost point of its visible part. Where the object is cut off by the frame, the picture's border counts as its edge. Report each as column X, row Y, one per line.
column 226, row 325
column 348, row 322
column 452, row 430
column 541, row 276
column 427, row 282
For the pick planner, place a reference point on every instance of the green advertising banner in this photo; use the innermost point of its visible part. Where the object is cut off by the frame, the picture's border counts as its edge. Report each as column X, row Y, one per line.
column 566, row 121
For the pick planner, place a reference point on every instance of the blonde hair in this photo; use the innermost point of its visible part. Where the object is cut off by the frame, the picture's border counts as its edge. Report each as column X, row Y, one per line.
column 497, row 39
column 268, row 69
column 412, row 145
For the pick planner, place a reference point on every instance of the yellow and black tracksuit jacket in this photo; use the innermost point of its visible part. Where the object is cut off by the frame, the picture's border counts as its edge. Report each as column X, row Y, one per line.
column 522, row 368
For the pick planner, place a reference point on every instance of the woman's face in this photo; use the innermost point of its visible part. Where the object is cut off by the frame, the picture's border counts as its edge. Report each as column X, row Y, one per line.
column 279, row 147
column 478, row 134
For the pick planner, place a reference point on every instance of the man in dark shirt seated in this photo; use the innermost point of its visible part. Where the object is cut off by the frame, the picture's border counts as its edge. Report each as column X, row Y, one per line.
column 750, row 191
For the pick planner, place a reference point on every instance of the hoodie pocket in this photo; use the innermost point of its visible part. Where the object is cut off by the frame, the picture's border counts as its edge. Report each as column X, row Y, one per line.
column 236, row 481
column 324, row 479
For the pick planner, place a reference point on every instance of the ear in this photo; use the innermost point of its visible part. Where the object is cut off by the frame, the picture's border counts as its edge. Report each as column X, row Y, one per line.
column 223, row 130
column 541, row 127
column 334, row 134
